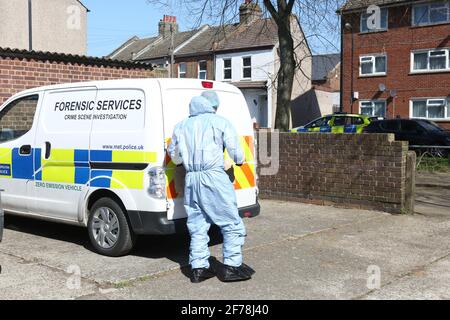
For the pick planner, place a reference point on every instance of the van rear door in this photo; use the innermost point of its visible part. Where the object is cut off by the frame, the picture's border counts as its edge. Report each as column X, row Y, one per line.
column 177, row 95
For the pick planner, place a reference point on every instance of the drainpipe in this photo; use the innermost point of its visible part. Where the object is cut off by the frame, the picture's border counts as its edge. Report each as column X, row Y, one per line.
column 30, row 26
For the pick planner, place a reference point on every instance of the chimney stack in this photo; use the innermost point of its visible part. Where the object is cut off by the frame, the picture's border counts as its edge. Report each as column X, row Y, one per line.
column 249, row 12
column 166, row 24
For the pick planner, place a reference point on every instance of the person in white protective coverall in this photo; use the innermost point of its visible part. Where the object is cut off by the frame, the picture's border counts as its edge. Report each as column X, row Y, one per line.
column 198, row 143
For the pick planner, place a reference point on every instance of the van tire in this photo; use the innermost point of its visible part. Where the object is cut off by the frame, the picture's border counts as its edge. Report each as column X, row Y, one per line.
column 125, row 237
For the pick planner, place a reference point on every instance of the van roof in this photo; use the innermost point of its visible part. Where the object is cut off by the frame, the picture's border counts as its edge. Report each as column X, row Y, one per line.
column 141, row 82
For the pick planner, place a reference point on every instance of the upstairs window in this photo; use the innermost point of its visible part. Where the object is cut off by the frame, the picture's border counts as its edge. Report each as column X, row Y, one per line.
column 202, row 72
column 431, row 13
column 182, row 70
column 247, row 67
column 374, row 65
column 227, row 69
column 365, row 27
column 430, row 60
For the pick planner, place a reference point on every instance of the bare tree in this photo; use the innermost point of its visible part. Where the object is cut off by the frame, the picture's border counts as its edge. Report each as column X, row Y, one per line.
column 317, row 19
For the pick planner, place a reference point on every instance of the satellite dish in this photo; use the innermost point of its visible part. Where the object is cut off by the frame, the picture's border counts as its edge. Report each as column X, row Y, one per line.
column 382, row 87
column 393, row 93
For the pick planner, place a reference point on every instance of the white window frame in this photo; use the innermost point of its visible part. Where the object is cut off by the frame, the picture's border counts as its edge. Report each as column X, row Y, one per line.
column 414, row 8
column 373, row 58
column 199, row 71
column 179, row 69
column 247, row 67
column 373, row 107
column 227, row 68
column 429, row 102
column 374, row 30
column 428, row 69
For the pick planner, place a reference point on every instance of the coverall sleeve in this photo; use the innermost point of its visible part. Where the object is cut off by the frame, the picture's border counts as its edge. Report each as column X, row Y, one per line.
column 231, row 143
column 174, row 150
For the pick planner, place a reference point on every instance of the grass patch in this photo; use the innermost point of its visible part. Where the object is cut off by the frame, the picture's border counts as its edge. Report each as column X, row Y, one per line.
column 433, row 164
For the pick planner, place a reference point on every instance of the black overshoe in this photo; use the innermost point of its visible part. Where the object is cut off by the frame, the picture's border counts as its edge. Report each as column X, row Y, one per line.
column 233, row 274
column 202, row 274
column 247, row 269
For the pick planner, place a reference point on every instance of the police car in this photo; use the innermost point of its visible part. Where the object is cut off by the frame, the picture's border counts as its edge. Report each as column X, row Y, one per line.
column 337, row 123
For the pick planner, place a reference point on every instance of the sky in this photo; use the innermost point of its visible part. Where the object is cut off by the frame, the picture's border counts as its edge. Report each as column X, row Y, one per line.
column 112, row 22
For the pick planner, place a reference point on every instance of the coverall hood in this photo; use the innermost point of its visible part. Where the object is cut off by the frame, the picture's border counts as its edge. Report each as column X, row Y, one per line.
column 200, row 105
column 212, row 97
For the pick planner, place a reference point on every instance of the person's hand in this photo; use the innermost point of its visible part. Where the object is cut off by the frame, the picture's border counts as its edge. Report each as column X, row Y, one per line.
column 227, row 164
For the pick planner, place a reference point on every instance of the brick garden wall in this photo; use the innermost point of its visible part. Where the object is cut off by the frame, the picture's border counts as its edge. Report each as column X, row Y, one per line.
column 20, row 70
column 367, row 171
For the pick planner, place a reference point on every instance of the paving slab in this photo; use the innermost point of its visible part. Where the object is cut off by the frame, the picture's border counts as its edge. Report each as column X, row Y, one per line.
column 332, row 264
column 436, row 179
column 299, row 251
column 429, row 283
column 21, row 279
column 61, row 246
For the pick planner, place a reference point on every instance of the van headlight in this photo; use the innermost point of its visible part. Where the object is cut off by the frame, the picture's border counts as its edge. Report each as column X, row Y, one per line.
column 157, row 187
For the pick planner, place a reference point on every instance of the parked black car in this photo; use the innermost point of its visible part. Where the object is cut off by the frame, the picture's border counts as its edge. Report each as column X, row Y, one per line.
column 417, row 132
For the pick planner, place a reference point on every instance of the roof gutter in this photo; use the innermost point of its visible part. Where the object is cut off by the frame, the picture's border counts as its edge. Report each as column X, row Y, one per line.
column 390, row 5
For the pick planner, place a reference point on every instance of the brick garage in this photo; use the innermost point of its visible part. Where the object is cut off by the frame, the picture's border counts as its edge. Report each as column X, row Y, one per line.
column 359, row 171
column 397, row 42
column 20, row 70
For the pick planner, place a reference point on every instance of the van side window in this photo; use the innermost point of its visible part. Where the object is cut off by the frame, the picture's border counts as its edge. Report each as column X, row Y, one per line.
column 16, row 118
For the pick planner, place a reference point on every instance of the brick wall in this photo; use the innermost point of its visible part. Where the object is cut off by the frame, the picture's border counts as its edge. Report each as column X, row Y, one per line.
column 192, row 66
column 398, row 42
column 18, row 116
column 367, row 171
column 20, row 70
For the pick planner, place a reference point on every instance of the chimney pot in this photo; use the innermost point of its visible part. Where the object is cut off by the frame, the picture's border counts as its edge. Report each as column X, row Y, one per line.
column 249, row 12
column 167, row 24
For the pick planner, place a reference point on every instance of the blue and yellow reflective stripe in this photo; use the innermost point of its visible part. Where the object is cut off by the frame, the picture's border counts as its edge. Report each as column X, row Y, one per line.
column 72, row 166
column 6, row 162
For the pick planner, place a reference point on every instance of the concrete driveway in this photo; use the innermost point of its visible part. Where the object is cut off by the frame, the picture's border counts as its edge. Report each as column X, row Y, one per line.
column 299, row 252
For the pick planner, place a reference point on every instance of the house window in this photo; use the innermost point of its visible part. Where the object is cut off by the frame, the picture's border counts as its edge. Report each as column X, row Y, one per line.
column 182, row 70
column 202, row 73
column 374, row 108
column 247, row 67
column 436, row 108
column 431, row 60
column 227, row 69
column 366, row 27
column 373, row 65
column 431, row 13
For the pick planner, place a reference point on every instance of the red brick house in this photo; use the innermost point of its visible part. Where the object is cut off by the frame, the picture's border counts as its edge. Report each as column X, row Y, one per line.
column 397, row 65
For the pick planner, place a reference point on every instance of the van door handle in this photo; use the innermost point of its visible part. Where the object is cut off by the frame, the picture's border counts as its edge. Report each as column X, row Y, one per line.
column 25, row 150
column 48, row 150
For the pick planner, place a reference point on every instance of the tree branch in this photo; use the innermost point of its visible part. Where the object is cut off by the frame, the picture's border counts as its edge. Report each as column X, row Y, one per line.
column 289, row 7
column 272, row 10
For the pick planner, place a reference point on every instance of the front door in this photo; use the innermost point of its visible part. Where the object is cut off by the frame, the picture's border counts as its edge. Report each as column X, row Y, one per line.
column 16, row 152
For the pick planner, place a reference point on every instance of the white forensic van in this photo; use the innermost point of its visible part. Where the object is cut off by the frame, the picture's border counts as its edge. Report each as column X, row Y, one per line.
column 94, row 154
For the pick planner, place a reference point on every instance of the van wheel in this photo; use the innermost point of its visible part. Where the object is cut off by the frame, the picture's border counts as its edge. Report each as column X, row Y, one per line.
column 109, row 229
